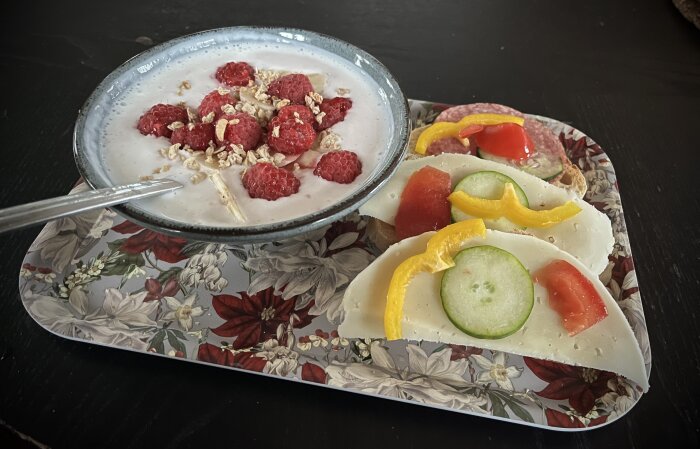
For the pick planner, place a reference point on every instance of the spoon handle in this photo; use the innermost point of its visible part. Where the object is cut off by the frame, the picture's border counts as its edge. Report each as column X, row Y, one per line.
column 45, row 210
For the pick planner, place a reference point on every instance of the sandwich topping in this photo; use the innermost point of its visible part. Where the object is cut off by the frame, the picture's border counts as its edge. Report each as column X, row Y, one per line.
column 528, row 145
column 507, row 199
column 470, row 123
column 509, row 206
column 437, row 257
column 572, row 295
column 508, row 140
column 424, row 205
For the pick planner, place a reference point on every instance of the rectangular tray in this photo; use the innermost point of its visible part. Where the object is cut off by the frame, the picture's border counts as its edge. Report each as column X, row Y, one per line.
column 274, row 309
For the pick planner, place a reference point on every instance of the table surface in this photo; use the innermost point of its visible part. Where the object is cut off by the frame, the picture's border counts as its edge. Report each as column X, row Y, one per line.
column 625, row 72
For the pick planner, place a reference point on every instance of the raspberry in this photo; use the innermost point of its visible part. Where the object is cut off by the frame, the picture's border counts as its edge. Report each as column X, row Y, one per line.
column 264, row 180
column 303, row 113
column 292, row 137
column 335, row 109
column 246, row 132
column 293, row 87
column 235, row 74
column 339, row 166
column 213, row 102
column 197, row 138
column 156, row 120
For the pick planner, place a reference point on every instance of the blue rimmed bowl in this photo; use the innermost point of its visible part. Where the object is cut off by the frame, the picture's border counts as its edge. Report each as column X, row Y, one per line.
column 93, row 115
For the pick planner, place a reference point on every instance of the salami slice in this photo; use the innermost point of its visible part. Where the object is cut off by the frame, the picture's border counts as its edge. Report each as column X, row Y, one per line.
column 449, row 145
column 546, row 143
column 456, row 113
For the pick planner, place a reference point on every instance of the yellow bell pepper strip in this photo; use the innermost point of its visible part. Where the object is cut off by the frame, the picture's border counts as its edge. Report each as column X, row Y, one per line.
column 441, row 130
column 509, row 206
column 437, row 257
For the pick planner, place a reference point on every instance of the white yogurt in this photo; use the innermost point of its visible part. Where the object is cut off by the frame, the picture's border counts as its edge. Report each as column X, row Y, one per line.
column 129, row 155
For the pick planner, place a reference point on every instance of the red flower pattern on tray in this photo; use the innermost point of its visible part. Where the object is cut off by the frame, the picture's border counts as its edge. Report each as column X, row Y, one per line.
column 165, row 248
column 313, row 373
column 580, row 386
column 462, row 352
column 252, row 319
column 156, row 290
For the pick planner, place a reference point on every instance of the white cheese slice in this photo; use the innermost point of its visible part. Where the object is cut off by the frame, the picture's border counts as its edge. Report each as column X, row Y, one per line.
column 608, row 345
column 587, row 236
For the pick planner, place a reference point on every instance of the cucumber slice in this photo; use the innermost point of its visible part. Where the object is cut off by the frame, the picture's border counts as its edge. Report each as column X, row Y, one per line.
column 543, row 165
column 488, row 293
column 489, row 185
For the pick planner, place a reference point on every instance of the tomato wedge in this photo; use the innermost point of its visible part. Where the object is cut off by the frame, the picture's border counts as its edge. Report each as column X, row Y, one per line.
column 572, row 296
column 424, row 205
column 507, row 140
column 470, row 131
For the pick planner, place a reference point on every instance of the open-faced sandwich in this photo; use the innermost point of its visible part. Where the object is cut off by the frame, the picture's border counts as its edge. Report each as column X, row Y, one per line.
column 527, row 144
column 490, row 244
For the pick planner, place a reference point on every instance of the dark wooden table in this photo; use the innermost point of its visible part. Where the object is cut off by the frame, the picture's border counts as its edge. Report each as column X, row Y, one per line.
column 626, row 72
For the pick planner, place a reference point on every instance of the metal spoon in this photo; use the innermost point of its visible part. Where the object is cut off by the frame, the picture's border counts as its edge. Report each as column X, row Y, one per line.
column 45, row 210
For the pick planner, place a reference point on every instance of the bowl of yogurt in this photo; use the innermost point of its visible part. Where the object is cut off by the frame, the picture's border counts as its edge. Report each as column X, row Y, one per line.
column 290, row 177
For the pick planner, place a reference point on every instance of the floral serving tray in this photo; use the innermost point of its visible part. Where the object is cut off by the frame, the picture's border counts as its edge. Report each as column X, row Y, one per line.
column 274, row 308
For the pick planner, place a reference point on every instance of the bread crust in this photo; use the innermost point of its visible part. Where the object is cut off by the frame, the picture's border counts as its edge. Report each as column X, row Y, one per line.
column 381, row 234
column 571, row 179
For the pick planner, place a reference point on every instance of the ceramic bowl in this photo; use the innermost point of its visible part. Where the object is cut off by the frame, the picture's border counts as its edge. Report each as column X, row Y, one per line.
column 92, row 117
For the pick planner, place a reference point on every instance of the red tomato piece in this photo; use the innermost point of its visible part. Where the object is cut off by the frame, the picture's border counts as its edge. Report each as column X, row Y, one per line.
column 470, row 131
column 572, row 296
column 424, row 205
column 506, row 140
